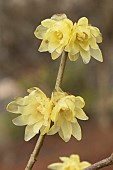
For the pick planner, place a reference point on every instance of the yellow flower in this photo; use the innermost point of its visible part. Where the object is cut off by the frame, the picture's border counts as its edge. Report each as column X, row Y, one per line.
column 66, row 110
column 70, row 163
column 35, row 112
column 83, row 42
column 55, row 34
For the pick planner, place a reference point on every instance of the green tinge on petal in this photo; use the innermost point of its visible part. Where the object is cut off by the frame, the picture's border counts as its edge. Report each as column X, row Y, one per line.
column 82, row 21
column 76, row 131
column 97, row 54
column 55, row 55
column 80, row 114
column 13, row 107
column 85, row 56
column 20, row 120
column 66, row 130
column 29, row 133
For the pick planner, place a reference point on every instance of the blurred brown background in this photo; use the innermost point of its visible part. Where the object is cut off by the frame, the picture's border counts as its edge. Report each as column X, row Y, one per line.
column 22, row 67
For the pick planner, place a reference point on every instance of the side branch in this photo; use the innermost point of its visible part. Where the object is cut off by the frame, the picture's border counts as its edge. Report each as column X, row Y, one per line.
column 101, row 164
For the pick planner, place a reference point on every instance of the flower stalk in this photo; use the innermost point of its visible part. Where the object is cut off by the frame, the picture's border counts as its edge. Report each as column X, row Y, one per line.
column 38, row 146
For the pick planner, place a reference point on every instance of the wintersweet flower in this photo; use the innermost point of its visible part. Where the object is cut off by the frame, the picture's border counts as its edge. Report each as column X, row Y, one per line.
column 55, row 34
column 35, row 112
column 69, row 163
column 83, row 42
column 67, row 109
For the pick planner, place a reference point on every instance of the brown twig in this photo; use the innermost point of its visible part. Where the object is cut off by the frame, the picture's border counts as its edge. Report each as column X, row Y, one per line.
column 33, row 157
column 101, row 164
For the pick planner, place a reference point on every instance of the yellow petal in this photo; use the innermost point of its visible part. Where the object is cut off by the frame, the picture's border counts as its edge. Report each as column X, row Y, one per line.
column 96, row 32
column 40, row 31
column 48, row 23
column 44, row 46
column 53, row 130
column 82, row 21
column 75, row 158
column 66, row 130
column 79, row 102
column 55, row 55
column 93, row 43
column 76, row 131
column 85, row 56
column 85, row 45
column 29, row 133
column 55, row 166
column 37, row 126
column 13, row 107
column 80, row 114
column 20, row 120
column 97, row 54
column 73, row 57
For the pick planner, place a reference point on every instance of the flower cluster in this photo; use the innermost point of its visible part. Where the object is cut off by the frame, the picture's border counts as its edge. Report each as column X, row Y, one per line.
column 67, row 108
column 69, row 163
column 38, row 111
column 59, row 34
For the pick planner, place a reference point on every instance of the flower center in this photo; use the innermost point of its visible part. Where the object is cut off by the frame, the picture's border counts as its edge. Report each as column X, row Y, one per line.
column 59, row 34
column 81, row 36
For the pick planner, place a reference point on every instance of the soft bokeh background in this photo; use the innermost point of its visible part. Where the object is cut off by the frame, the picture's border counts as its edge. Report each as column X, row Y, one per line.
column 22, row 67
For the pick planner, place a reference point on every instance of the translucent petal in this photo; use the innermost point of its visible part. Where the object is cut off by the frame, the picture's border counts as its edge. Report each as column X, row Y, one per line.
column 75, row 158
column 96, row 32
column 84, row 164
column 29, row 133
column 84, row 45
column 55, row 55
column 73, row 57
column 66, row 130
column 97, row 54
column 34, row 91
column 20, row 120
column 61, row 134
column 13, row 107
column 40, row 31
column 76, row 131
column 80, row 114
column 44, row 46
column 55, row 166
column 37, row 127
column 93, row 43
column 48, row 23
column 53, row 130
column 85, row 56
column 82, row 21
column 79, row 102
column 22, row 101
column 64, row 159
